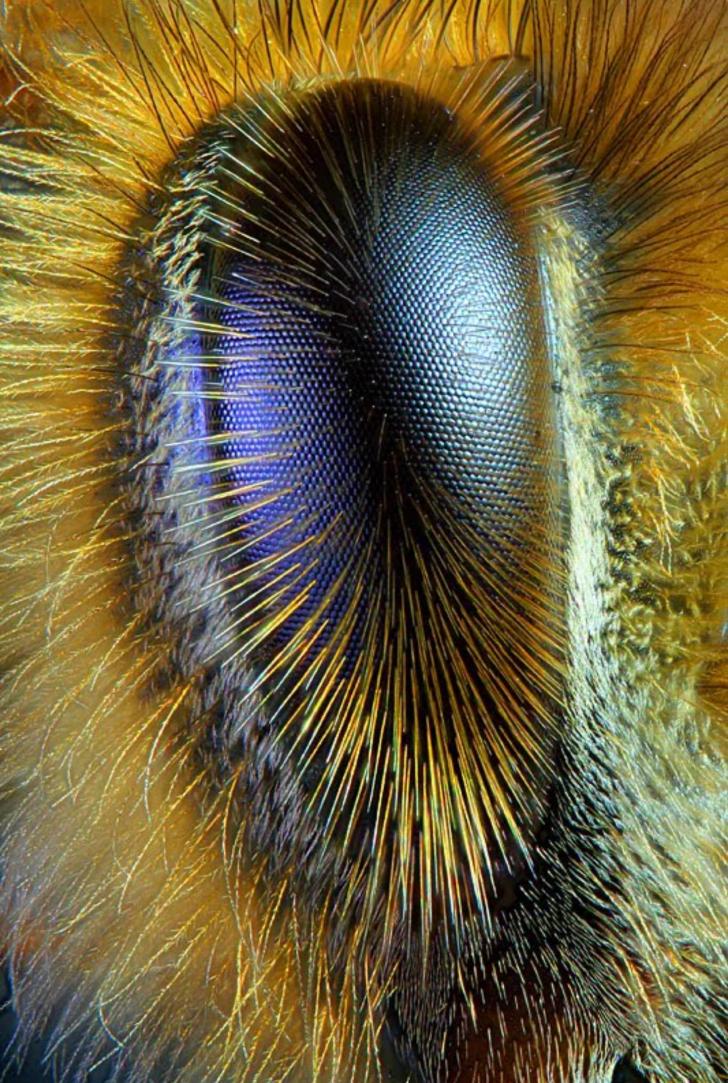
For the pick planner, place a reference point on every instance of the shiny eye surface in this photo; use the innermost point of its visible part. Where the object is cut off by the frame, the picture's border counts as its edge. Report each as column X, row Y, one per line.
column 369, row 439
column 362, row 538
column 380, row 336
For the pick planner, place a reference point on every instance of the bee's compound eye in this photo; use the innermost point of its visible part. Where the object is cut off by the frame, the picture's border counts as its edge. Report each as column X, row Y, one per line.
column 358, row 490
column 380, row 376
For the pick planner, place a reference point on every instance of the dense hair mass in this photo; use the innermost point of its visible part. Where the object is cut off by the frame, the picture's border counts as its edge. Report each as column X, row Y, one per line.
column 355, row 743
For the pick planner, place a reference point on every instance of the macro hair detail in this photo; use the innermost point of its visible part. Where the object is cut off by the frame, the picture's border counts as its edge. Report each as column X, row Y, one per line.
column 364, row 562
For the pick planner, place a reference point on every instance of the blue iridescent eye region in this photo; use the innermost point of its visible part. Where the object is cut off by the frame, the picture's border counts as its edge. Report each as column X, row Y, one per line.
column 380, row 356
column 297, row 451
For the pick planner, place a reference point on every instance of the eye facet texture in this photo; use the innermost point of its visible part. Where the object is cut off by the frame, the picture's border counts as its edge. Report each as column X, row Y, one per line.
column 380, row 334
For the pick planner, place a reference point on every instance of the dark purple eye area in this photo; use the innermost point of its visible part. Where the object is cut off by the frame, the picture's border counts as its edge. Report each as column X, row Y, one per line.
column 379, row 391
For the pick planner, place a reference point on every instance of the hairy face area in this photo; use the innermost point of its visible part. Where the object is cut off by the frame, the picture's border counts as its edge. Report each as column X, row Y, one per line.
column 363, row 538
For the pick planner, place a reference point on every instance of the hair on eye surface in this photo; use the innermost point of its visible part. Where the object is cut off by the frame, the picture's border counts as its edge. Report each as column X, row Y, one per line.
column 363, row 553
